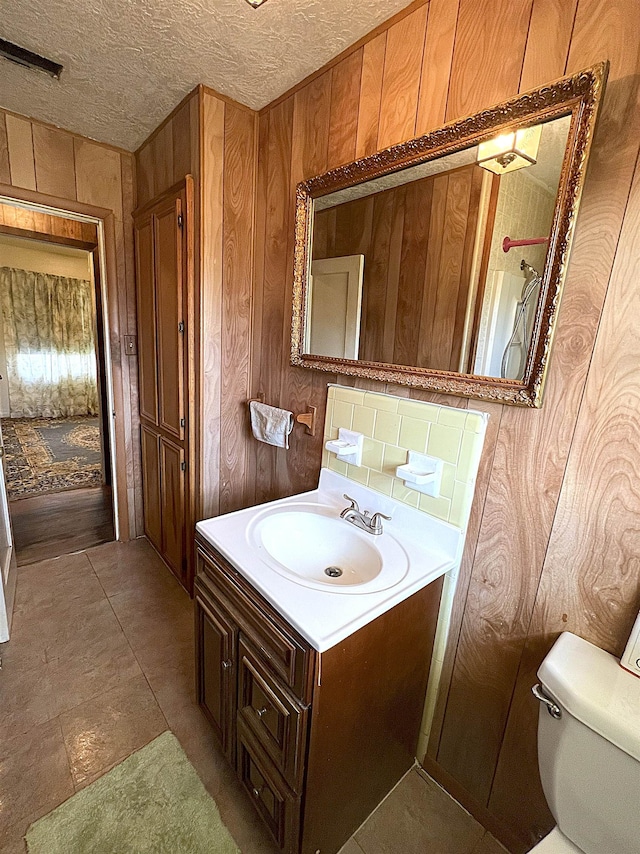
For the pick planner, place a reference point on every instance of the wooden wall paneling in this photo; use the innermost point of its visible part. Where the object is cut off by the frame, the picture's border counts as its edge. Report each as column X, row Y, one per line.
column 450, row 268
column 400, row 85
column 5, row 172
column 239, row 189
column 163, row 155
column 345, row 98
column 210, row 302
column 393, row 275
column 370, row 94
column 99, row 176
column 412, row 268
column 585, row 588
column 297, row 467
column 483, row 479
column 488, row 54
column 35, row 223
column 92, row 186
column 181, row 135
column 257, row 303
column 54, row 162
column 20, row 144
column 144, row 175
column 436, row 65
column 466, row 286
column 548, row 42
column 373, row 298
column 129, row 323
column 517, row 522
column 277, row 239
column 590, row 580
column 430, row 283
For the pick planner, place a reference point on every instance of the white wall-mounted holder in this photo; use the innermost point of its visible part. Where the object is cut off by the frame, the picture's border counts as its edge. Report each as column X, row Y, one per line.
column 348, row 446
column 422, row 473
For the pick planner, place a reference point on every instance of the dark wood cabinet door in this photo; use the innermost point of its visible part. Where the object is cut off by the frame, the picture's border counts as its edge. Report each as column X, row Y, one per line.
column 151, row 486
column 216, row 639
column 172, row 505
column 170, row 314
column 146, row 303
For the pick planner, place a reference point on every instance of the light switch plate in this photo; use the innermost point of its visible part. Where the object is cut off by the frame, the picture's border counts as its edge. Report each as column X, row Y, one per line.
column 130, row 345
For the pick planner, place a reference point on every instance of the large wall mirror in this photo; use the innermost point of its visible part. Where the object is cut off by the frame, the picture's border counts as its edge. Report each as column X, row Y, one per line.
column 439, row 263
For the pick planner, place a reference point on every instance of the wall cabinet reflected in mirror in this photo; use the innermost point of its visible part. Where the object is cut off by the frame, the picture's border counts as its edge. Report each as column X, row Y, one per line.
column 439, row 263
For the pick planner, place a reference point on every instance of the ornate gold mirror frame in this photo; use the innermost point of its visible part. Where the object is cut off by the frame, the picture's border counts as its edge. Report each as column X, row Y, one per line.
column 579, row 96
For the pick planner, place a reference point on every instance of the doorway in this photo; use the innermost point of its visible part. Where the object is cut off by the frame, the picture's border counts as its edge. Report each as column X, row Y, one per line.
column 54, row 391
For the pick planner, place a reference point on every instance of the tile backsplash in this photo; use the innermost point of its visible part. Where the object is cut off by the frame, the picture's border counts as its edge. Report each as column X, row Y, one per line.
column 392, row 426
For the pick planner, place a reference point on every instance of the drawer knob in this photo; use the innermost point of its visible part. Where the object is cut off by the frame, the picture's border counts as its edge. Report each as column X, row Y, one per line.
column 227, row 664
column 261, row 712
column 256, row 792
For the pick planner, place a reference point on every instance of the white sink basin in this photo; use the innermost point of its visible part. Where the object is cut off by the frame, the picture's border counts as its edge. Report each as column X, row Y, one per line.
column 311, row 545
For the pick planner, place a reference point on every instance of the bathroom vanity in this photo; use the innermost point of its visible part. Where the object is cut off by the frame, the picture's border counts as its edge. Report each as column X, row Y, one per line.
column 316, row 695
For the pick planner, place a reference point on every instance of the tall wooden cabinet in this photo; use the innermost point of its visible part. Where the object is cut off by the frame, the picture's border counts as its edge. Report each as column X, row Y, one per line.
column 164, row 273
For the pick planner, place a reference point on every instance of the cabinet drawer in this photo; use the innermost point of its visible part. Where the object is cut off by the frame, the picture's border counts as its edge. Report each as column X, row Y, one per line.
column 287, row 654
column 274, row 717
column 276, row 804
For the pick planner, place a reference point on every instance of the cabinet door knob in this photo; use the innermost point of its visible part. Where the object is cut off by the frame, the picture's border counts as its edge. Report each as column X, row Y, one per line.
column 261, row 712
column 257, row 792
column 227, row 664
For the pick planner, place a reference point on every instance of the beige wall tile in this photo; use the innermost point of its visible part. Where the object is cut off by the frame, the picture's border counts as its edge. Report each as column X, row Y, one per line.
column 349, row 395
column 381, row 402
column 452, row 417
column 380, row 482
column 414, row 434
column 418, row 409
column 387, row 427
column 364, row 419
column 401, row 493
column 342, row 414
column 392, row 458
column 444, row 443
column 438, row 507
column 372, row 454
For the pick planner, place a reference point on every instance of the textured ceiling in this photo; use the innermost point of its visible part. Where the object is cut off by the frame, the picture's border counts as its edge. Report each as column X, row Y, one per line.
column 129, row 62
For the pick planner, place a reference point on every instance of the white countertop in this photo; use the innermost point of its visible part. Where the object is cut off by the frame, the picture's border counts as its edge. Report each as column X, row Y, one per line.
column 325, row 618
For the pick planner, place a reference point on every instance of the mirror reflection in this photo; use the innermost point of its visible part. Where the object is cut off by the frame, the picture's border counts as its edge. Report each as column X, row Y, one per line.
column 439, row 265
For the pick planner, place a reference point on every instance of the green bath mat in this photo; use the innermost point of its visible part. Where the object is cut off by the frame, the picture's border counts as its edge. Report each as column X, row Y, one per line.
column 152, row 803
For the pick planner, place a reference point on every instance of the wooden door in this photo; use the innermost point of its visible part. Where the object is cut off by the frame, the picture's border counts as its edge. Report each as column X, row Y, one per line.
column 146, row 304
column 216, row 639
column 164, row 268
column 8, row 572
column 168, row 225
column 151, row 486
column 172, row 466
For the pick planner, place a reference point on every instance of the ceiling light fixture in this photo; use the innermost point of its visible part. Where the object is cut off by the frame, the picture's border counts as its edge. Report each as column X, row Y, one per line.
column 24, row 57
column 510, row 151
column 255, row 3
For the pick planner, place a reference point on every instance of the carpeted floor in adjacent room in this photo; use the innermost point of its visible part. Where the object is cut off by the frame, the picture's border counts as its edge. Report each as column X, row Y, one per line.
column 51, row 454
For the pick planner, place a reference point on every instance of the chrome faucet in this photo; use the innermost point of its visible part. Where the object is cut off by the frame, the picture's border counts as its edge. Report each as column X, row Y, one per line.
column 370, row 524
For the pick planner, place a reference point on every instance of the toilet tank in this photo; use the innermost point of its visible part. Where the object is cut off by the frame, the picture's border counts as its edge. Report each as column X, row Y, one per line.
column 590, row 757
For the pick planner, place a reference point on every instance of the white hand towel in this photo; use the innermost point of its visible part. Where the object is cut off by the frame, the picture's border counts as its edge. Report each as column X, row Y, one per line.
column 270, row 424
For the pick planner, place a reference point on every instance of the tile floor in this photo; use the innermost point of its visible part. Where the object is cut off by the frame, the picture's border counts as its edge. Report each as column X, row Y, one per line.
column 101, row 662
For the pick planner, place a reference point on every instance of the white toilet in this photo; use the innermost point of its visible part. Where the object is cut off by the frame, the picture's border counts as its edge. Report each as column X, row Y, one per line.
column 589, row 750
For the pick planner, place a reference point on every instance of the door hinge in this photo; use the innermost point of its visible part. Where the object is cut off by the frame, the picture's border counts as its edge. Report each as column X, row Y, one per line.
column 180, row 221
column 182, row 422
column 183, row 466
column 181, row 327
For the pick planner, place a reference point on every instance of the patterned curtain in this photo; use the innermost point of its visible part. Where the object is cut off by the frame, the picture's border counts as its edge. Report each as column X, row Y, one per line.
column 50, row 344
